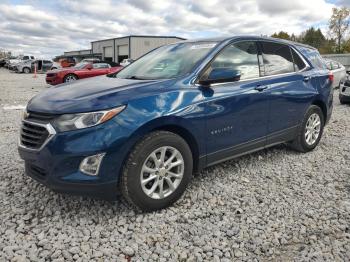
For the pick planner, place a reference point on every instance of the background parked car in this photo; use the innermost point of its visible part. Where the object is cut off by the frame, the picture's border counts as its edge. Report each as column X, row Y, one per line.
column 2, row 62
column 67, row 62
column 12, row 63
column 81, row 70
column 126, row 62
column 55, row 65
column 29, row 66
column 338, row 70
column 344, row 91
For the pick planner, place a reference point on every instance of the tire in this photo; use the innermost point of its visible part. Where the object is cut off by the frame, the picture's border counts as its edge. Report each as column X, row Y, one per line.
column 26, row 70
column 70, row 78
column 141, row 158
column 301, row 143
column 342, row 100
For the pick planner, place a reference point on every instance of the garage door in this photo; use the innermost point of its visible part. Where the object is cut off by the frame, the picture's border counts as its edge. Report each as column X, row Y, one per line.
column 123, row 50
column 108, row 51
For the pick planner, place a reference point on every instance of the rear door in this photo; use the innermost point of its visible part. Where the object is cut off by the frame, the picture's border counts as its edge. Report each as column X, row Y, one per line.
column 289, row 89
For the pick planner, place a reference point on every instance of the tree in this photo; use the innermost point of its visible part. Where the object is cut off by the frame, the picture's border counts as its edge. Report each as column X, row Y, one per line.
column 339, row 25
column 281, row 35
column 313, row 37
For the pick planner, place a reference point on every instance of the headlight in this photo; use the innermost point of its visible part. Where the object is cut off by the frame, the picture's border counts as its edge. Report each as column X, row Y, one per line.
column 83, row 120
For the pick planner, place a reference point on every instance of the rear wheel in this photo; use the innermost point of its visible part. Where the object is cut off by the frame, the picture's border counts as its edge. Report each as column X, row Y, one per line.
column 310, row 131
column 70, row 78
column 26, row 70
column 157, row 171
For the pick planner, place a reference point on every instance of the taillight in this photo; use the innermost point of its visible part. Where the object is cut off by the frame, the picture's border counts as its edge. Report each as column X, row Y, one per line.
column 331, row 76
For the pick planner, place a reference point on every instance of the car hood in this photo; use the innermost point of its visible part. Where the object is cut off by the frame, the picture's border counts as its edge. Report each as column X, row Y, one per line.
column 93, row 94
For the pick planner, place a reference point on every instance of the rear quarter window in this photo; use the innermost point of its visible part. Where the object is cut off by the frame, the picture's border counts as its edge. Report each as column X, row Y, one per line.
column 313, row 56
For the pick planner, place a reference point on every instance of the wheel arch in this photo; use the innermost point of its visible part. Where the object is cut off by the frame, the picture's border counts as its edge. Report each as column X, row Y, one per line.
column 323, row 107
column 176, row 125
column 188, row 137
column 71, row 74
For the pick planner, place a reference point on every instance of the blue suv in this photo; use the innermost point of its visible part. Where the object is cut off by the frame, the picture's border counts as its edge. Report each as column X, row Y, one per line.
column 145, row 130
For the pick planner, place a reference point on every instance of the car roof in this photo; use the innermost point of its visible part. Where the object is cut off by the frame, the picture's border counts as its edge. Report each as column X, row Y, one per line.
column 248, row 37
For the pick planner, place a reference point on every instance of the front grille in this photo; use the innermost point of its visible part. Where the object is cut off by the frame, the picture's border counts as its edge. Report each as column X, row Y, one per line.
column 33, row 136
column 42, row 117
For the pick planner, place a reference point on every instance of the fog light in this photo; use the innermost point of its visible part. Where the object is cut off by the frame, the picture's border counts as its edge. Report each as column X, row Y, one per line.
column 91, row 164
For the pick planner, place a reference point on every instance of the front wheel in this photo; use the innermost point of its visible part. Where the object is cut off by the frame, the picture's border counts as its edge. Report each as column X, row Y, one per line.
column 157, row 171
column 70, row 78
column 310, row 130
column 26, row 70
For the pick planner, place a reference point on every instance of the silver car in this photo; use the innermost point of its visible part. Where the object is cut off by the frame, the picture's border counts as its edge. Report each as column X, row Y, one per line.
column 338, row 70
column 29, row 66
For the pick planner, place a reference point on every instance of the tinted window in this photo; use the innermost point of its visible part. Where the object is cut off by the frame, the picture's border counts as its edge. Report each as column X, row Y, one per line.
column 32, row 57
column 298, row 62
column 25, row 57
column 241, row 57
column 47, row 62
column 277, row 58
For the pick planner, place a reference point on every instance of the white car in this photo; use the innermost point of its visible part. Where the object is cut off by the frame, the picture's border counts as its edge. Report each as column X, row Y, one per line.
column 338, row 70
column 126, row 62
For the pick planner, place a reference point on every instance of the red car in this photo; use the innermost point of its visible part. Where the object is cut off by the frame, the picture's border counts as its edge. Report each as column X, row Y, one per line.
column 80, row 71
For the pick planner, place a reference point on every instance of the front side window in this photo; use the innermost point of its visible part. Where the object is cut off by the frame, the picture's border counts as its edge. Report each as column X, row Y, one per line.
column 241, row 57
column 25, row 57
column 277, row 58
column 168, row 61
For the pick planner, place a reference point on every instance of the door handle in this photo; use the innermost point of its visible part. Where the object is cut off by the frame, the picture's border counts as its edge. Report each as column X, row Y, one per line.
column 260, row 88
column 307, row 78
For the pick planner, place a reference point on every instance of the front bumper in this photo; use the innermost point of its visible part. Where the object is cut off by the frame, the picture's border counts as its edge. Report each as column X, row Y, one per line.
column 56, row 165
column 53, row 80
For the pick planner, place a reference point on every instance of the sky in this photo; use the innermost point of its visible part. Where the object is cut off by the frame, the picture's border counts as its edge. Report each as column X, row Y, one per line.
column 48, row 28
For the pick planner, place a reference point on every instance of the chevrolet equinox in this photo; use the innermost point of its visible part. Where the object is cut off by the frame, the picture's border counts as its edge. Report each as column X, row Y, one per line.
column 182, row 107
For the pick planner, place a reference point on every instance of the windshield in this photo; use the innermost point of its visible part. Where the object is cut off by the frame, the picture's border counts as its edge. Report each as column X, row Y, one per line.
column 81, row 65
column 168, row 61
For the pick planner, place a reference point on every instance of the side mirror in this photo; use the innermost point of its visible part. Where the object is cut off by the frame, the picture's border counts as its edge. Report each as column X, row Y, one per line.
column 221, row 75
column 88, row 67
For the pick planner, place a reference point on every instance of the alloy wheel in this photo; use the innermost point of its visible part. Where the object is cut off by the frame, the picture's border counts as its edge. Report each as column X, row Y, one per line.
column 70, row 78
column 162, row 172
column 312, row 129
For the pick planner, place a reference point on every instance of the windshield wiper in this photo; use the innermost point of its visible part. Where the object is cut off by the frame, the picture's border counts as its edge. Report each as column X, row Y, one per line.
column 137, row 78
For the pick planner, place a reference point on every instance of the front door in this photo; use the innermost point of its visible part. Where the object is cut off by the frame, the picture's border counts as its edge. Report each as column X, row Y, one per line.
column 237, row 112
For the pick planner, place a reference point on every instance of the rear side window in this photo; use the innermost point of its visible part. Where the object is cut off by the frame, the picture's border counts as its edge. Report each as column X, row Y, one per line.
column 313, row 56
column 277, row 58
column 298, row 62
column 25, row 57
column 241, row 57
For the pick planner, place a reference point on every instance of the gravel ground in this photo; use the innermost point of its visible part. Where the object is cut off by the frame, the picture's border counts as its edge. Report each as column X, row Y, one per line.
column 272, row 205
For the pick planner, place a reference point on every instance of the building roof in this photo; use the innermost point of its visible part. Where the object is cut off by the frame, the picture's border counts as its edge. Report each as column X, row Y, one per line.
column 130, row 36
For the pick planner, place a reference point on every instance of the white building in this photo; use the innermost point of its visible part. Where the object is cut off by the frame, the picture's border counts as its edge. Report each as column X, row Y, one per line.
column 133, row 46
